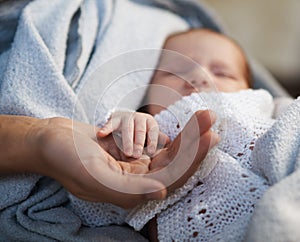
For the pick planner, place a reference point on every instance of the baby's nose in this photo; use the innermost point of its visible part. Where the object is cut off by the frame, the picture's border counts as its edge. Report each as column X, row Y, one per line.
column 200, row 82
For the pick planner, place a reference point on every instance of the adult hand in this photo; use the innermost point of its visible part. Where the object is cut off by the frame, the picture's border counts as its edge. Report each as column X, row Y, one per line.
column 175, row 164
column 70, row 153
column 62, row 149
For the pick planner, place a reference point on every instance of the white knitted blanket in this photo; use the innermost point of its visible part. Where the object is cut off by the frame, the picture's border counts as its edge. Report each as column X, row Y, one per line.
column 217, row 203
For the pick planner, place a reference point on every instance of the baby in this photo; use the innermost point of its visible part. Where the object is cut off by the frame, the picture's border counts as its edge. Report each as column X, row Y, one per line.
column 218, row 203
column 199, row 60
column 224, row 67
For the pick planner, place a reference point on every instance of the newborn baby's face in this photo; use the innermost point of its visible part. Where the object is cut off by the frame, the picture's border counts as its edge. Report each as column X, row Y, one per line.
column 202, row 61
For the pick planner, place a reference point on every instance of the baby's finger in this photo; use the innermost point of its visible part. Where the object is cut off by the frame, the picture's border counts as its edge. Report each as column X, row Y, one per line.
column 152, row 135
column 140, row 127
column 109, row 127
column 127, row 135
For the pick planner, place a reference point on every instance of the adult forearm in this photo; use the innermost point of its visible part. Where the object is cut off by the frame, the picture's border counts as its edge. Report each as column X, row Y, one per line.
column 17, row 147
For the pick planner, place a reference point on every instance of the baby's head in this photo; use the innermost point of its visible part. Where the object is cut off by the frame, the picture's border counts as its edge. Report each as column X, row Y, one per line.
column 224, row 67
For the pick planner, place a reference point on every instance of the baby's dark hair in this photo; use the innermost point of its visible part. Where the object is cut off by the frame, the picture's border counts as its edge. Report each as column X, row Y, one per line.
column 247, row 70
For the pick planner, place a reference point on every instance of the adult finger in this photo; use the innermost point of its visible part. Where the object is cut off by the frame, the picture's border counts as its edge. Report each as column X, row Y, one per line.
column 111, row 184
column 184, row 155
column 197, row 126
column 207, row 141
column 145, row 189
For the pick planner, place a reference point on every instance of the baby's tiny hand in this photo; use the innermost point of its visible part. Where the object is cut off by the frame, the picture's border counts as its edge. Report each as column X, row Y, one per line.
column 135, row 129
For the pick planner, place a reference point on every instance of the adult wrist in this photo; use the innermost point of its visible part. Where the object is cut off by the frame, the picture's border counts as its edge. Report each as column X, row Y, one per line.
column 18, row 144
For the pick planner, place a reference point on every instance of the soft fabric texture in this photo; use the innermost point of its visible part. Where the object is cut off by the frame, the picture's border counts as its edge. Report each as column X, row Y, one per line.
column 266, row 166
column 279, row 209
column 64, row 56
column 217, row 206
column 9, row 15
